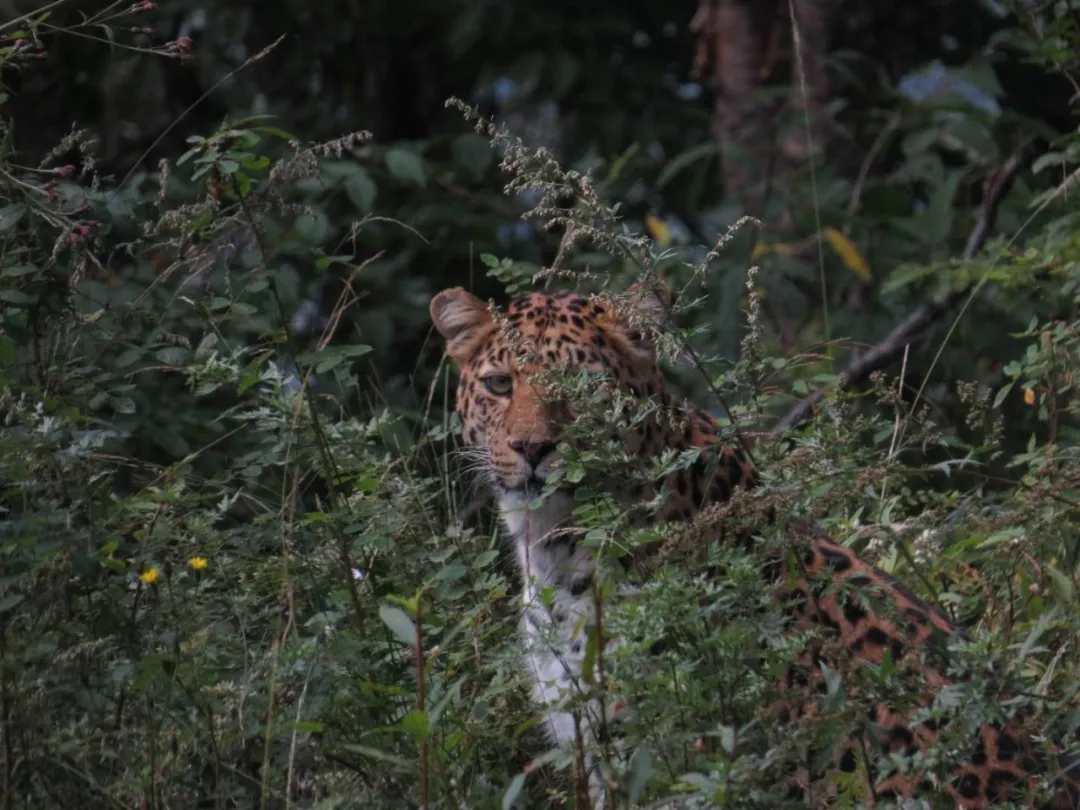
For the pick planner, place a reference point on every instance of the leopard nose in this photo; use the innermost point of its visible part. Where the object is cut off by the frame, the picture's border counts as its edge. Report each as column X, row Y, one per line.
column 532, row 452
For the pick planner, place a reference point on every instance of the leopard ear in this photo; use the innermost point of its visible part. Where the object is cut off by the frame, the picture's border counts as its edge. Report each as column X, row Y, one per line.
column 461, row 319
column 652, row 299
column 649, row 309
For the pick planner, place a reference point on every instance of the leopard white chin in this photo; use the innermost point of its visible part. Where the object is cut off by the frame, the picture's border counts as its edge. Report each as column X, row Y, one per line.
column 526, row 512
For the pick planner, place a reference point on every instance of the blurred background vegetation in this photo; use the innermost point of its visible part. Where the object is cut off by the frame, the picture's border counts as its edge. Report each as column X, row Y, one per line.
column 221, row 222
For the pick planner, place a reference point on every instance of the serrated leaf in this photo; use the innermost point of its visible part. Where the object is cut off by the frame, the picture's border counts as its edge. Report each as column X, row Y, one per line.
column 399, row 623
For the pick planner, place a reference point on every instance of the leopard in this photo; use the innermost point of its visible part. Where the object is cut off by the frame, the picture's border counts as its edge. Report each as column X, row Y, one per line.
column 512, row 423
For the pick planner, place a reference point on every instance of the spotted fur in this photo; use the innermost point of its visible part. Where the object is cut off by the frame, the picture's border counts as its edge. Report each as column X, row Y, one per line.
column 513, row 425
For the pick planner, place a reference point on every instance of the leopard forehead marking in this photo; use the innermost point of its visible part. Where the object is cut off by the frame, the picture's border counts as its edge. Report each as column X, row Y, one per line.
column 544, row 329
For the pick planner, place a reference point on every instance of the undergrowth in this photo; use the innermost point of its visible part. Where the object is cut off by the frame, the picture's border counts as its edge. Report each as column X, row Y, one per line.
column 231, row 575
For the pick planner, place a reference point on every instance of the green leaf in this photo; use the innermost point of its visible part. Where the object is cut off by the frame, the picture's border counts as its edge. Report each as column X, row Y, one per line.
column 188, row 155
column 10, row 216
column 305, row 727
column 1055, row 159
column 407, row 166
column 124, row 405
column 399, row 623
column 10, row 601
column 451, row 572
column 375, row 753
column 361, row 190
column 9, row 134
column 513, row 791
column 1062, row 583
column 7, row 351
column 19, row 270
column 313, row 227
column 565, row 69
column 641, row 770
column 278, row 131
column 172, row 355
column 252, row 375
column 16, row 297
column 1032, row 639
column 332, row 356
column 683, row 161
column 415, row 724
column 473, row 152
column 255, row 162
column 452, row 694
column 727, row 739
column 938, row 218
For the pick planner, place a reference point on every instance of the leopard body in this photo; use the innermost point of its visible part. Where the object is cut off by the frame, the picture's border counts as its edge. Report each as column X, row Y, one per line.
column 513, row 425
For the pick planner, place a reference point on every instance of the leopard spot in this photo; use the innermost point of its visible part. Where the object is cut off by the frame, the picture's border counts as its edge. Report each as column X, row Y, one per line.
column 848, row 762
column 840, row 560
column 968, row 785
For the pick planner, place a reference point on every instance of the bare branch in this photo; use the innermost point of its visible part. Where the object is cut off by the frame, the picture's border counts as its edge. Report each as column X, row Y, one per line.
column 912, row 327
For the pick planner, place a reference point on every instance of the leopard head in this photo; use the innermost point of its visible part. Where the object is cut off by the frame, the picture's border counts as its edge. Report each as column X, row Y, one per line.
column 511, row 419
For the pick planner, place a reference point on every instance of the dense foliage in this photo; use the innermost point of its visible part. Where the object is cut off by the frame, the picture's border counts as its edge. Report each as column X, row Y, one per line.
column 230, row 569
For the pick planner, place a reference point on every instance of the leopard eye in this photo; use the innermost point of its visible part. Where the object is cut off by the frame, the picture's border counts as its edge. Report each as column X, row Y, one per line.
column 498, row 384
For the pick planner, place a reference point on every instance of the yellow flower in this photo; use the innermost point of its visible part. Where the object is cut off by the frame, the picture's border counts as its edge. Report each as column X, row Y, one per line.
column 149, row 576
column 1029, row 396
column 197, row 563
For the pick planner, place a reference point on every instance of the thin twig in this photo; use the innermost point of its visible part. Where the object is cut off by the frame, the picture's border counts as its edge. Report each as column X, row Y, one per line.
column 419, row 659
column 930, row 312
